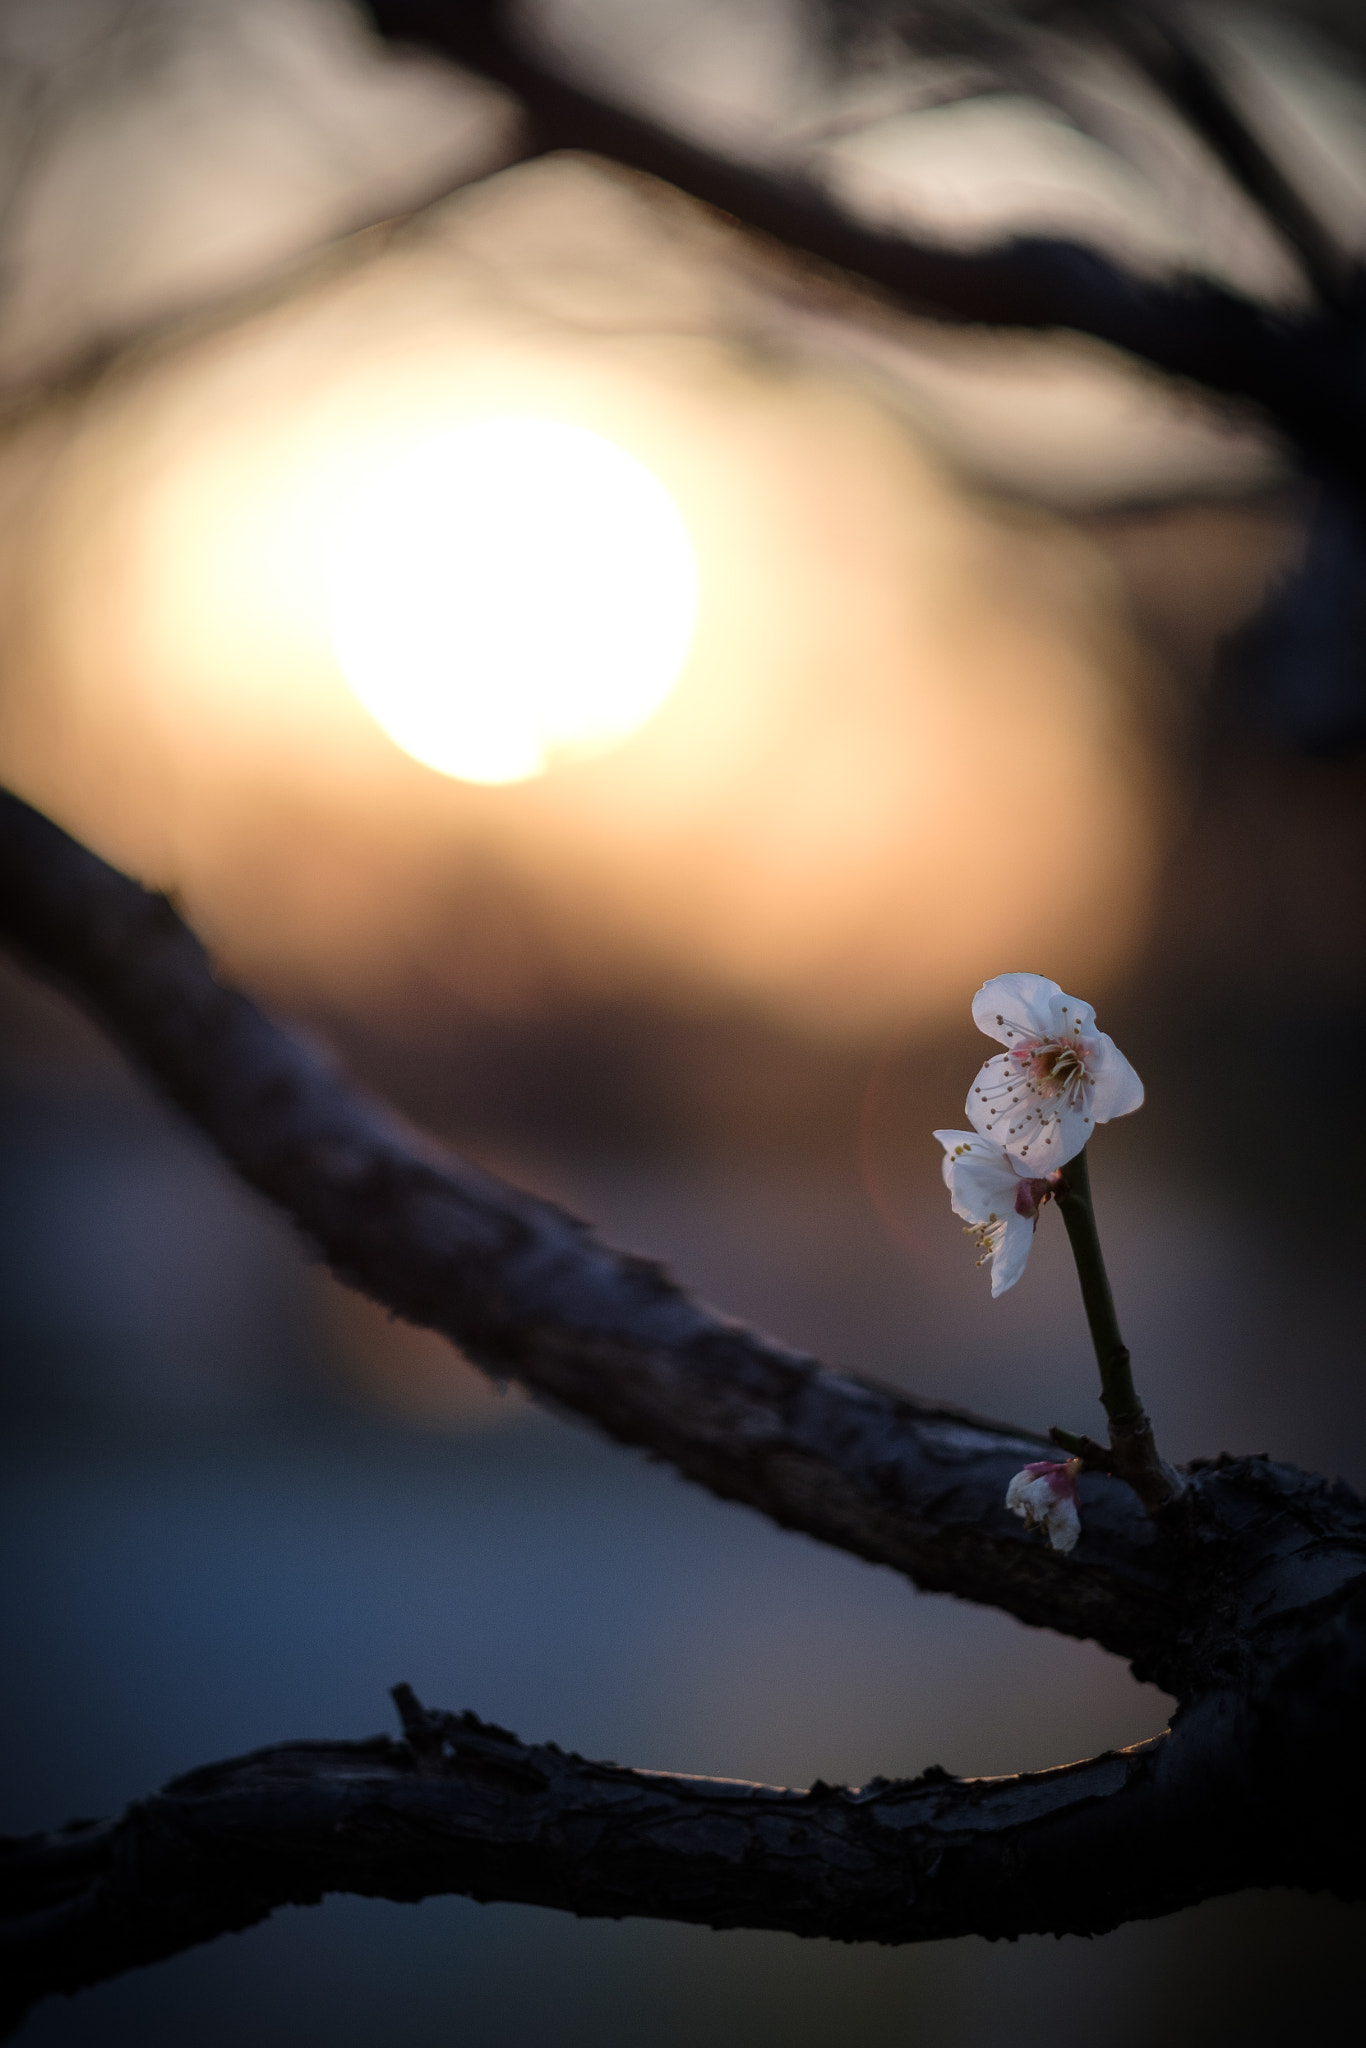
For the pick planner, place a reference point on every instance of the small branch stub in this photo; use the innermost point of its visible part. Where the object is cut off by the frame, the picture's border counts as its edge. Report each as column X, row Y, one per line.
column 1094, row 1457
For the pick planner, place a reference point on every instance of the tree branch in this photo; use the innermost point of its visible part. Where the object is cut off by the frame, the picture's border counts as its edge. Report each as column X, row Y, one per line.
column 1303, row 373
column 462, row 1806
column 1247, row 1598
column 1258, row 1782
column 1154, row 37
column 530, row 1294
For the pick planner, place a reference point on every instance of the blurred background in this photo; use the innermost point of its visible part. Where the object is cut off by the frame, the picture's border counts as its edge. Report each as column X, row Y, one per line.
column 998, row 649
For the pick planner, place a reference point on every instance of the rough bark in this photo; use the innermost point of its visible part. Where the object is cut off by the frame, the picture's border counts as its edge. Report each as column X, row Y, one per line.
column 1259, row 1781
column 465, row 1807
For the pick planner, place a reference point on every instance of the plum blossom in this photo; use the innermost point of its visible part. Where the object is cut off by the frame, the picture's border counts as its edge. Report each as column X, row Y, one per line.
column 1046, row 1496
column 997, row 1198
column 1041, row 1099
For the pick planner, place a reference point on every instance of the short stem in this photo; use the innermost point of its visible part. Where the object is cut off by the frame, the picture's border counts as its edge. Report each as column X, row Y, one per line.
column 1120, row 1401
column 1084, row 1447
column 1136, row 1457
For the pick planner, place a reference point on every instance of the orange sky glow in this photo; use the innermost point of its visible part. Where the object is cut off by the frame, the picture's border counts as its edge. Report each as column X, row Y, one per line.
column 898, row 758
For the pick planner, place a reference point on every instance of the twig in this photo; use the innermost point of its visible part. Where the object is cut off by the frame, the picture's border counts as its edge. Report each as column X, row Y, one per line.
column 1134, row 1455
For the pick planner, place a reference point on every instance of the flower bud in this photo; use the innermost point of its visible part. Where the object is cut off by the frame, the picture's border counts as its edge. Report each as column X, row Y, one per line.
column 1045, row 1495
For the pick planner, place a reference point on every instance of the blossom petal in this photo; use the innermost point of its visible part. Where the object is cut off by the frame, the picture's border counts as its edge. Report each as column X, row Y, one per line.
column 1029, row 1493
column 984, row 1183
column 1063, row 1524
column 1010, row 1007
column 1027, row 1011
column 978, row 1175
column 1118, row 1090
column 1060, row 1136
column 1046, row 1496
column 1039, row 1132
column 1010, row 1255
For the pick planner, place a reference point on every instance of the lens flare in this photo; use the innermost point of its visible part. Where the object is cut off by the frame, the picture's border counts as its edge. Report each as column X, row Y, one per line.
column 514, row 592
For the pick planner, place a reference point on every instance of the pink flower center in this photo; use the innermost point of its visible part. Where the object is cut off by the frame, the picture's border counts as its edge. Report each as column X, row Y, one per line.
column 1061, row 1478
column 1055, row 1066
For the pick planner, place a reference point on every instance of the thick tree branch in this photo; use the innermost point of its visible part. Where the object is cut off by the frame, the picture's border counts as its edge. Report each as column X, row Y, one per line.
column 530, row 1294
column 1258, row 1782
column 462, row 1806
column 1303, row 372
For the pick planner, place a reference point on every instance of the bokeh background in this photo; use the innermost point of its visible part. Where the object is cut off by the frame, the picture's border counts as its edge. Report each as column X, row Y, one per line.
column 971, row 690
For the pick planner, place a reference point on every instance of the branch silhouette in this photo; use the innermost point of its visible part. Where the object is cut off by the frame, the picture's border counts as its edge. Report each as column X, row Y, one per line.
column 1302, row 371
column 463, row 1806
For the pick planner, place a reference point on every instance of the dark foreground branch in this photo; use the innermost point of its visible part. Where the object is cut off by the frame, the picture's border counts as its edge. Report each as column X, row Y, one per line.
column 464, row 1807
column 1259, row 1781
column 530, row 1294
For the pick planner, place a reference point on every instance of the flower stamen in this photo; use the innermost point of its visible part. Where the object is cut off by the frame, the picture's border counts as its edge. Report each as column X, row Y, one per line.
column 1055, row 1066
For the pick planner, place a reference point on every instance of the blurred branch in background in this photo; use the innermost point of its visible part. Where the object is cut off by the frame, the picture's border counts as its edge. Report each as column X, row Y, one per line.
column 161, row 156
column 607, row 78
column 172, row 491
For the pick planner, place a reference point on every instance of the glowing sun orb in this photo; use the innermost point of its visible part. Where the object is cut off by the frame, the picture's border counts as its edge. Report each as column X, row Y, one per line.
column 512, row 592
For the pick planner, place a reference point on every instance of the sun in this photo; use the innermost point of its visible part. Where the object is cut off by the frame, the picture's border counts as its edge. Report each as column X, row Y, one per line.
column 512, row 593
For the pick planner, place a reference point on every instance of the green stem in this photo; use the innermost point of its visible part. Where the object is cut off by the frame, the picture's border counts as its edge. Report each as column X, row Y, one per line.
column 1133, row 1455
column 1117, row 1394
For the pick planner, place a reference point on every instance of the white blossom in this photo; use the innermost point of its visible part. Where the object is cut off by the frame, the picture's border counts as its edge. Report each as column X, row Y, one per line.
column 1041, row 1099
column 998, row 1199
column 1046, row 1496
